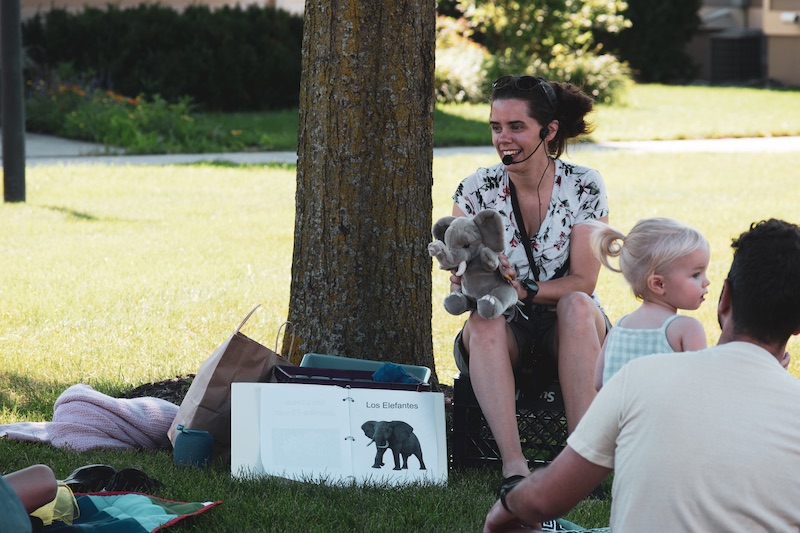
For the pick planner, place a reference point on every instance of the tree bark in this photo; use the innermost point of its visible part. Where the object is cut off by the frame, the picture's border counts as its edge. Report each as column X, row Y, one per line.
column 361, row 274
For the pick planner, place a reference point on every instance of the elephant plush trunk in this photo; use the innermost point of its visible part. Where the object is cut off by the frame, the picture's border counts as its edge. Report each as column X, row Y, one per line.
column 462, row 267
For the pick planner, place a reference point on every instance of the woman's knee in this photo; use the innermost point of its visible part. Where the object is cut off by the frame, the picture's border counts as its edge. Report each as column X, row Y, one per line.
column 578, row 313
column 478, row 328
column 491, row 338
column 576, row 305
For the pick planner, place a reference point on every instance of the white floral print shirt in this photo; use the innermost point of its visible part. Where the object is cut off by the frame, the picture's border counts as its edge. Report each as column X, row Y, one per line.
column 579, row 194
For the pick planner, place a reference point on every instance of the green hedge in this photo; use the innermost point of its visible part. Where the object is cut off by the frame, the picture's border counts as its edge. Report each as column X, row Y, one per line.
column 228, row 59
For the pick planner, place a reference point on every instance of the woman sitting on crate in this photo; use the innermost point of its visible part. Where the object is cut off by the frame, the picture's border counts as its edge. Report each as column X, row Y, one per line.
column 542, row 201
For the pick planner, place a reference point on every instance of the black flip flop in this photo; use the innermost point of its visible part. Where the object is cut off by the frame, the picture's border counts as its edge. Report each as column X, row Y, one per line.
column 132, row 480
column 99, row 478
column 90, row 478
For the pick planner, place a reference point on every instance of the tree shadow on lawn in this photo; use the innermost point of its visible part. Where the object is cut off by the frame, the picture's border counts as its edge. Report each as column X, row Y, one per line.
column 31, row 399
column 71, row 213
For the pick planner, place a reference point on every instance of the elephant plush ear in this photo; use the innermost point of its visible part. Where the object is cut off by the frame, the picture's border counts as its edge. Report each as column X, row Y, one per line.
column 369, row 428
column 490, row 224
column 440, row 227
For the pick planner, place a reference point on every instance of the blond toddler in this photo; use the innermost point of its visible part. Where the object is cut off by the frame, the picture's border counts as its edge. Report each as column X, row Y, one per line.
column 665, row 263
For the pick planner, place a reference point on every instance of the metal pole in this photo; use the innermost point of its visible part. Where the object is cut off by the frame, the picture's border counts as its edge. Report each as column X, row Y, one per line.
column 13, row 101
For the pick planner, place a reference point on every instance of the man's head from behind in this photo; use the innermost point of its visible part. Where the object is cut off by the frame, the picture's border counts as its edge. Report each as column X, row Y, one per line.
column 764, row 282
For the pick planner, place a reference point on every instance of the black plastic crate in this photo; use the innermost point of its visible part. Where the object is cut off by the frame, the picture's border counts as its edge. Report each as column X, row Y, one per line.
column 540, row 416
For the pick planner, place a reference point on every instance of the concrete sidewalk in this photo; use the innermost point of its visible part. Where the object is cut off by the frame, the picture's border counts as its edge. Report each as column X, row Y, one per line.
column 49, row 150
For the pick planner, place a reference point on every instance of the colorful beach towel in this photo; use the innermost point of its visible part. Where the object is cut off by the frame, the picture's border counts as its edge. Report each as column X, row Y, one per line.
column 561, row 524
column 127, row 513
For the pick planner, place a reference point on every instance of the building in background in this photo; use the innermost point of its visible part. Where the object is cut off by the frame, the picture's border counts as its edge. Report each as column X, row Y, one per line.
column 781, row 25
column 744, row 41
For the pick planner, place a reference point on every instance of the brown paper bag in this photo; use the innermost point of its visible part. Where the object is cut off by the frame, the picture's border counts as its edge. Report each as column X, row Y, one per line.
column 207, row 405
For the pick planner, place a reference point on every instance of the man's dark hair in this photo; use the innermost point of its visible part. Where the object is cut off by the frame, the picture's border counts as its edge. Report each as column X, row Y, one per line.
column 764, row 281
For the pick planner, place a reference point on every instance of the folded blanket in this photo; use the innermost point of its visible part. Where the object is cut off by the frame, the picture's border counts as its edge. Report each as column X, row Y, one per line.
column 84, row 418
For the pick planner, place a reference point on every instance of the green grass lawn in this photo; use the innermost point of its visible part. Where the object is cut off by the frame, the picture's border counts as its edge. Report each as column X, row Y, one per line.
column 645, row 112
column 662, row 112
column 648, row 112
column 655, row 112
column 119, row 275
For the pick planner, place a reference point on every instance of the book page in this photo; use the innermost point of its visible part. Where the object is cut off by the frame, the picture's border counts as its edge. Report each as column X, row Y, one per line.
column 304, row 432
column 339, row 435
column 399, row 436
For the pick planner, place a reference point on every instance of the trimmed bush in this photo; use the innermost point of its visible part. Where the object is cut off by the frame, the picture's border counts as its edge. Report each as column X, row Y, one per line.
column 604, row 77
column 226, row 59
column 551, row 38
column 460, row 63
column 140, row 125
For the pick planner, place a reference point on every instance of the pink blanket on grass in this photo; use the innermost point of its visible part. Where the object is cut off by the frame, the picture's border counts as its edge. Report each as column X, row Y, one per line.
column 84, row 419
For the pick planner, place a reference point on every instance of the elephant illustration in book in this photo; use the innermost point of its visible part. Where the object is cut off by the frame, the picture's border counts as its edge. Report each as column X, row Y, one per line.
column 397, row 436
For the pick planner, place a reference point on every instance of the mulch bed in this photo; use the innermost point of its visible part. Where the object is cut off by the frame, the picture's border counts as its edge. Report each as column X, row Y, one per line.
column 173, row 389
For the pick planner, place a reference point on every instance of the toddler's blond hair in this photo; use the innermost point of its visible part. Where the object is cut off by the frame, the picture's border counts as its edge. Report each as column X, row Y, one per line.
column 649, row 248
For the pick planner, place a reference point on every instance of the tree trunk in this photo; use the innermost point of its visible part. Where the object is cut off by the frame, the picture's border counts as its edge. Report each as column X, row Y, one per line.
column 361, row 274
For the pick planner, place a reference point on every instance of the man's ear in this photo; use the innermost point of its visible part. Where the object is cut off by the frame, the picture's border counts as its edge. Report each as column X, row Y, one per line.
column 655, row 284
column 724, row 305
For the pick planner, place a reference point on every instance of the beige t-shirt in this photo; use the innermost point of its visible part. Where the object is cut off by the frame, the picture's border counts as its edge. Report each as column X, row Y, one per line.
column 702, row 441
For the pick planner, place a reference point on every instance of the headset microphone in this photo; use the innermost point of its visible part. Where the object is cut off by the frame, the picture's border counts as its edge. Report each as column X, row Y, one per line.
column 508, row 159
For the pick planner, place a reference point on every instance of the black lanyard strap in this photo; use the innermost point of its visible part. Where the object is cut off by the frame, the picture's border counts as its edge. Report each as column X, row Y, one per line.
column 526, row 242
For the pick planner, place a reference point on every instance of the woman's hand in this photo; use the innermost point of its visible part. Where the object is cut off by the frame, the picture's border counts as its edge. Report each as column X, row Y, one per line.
column 455, row 281
column 510, row 273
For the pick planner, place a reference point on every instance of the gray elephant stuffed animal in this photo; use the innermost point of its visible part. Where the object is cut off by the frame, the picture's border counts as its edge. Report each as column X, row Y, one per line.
column 397, row 435
column 470, row 246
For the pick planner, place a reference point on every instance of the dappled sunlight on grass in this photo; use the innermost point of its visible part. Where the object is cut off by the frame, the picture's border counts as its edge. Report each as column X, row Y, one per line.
column 118, row 276
column 166, row 267
column 162, row 263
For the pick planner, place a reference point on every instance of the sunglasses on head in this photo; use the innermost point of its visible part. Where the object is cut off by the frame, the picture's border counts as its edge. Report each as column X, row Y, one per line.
column 527, row 83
